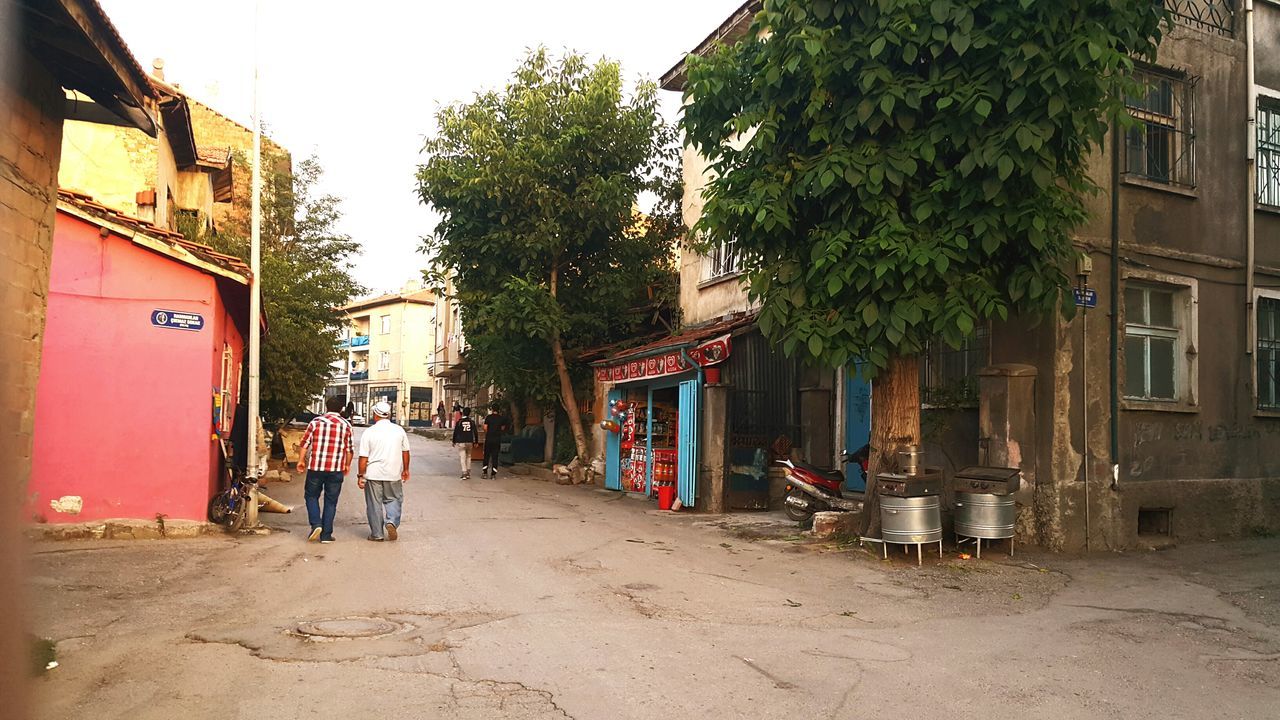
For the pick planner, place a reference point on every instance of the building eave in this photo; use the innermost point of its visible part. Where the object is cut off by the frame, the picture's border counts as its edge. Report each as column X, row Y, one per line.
column 731, row 30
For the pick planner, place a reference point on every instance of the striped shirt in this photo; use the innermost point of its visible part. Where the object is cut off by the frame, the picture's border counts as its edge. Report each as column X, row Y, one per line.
column 329, row 439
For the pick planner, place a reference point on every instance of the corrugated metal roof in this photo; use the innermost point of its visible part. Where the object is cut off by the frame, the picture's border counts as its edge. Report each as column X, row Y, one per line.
column 687, row 337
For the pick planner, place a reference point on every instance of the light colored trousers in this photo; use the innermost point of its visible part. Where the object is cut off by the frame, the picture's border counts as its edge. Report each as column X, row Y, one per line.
column 383, row 502
column 464, row 457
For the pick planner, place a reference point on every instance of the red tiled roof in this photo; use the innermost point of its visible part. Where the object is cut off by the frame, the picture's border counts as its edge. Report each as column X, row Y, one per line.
column 685, row 338
column 200, row 250
column 218, row 156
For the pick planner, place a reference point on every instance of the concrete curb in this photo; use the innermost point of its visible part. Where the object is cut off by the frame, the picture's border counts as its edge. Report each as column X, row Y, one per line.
column 123, row 530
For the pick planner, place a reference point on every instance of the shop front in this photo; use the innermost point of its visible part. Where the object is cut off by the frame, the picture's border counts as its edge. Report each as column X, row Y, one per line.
column 653, row 417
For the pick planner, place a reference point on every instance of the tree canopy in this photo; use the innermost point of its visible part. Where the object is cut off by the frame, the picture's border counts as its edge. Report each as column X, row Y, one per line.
column 911, row 168
column 537, row 187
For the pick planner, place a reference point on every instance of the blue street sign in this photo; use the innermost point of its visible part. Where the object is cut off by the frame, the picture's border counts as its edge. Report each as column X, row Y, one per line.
column 1086, row 297
column 177, row 320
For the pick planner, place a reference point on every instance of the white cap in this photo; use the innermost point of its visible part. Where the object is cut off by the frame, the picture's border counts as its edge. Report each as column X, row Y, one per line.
column 382, row 409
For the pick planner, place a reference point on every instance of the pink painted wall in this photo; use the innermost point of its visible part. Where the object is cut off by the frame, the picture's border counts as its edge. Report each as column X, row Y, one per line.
column 123, row 408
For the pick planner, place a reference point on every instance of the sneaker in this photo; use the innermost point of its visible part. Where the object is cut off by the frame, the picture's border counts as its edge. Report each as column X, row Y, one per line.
column 315, row 534
column 376, row 539
column 326, row 541
column 392, row 533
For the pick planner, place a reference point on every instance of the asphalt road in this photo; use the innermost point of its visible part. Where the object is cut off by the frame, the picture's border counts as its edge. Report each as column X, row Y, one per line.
column 514, row 598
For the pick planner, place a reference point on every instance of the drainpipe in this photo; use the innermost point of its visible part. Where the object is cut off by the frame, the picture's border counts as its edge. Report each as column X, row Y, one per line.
column 1115, row 306
column 1252, row 165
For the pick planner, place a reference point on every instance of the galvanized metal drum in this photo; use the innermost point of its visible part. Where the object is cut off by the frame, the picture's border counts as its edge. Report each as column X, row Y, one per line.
column 911, row 520
column 979, row 515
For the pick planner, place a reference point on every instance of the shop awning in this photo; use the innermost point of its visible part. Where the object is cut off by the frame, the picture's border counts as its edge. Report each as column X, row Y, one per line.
column 705, row 345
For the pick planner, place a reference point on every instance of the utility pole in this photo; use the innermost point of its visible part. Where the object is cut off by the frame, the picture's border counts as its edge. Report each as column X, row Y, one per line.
column 255, row 293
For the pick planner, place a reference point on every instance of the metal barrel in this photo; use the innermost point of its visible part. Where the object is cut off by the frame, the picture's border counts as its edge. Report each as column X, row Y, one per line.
column 980, row 515
column 911, row 520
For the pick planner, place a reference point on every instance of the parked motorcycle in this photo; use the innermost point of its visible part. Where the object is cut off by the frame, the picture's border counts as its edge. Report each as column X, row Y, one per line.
column 811, row 489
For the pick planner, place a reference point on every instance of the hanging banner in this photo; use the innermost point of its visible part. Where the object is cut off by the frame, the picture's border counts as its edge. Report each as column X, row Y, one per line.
column 672, row 362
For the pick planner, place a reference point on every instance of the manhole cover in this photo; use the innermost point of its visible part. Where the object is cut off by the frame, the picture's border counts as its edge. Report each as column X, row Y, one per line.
column 350, row 627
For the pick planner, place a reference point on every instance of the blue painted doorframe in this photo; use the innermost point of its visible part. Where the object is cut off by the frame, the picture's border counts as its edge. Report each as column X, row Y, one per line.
column 690, row 413
column 612, row 450
column 857, row 422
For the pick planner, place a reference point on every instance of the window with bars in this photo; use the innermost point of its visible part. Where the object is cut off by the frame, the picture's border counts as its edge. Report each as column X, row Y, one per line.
column 949, row 376
column 1268, row 155
column 1161, row 146
column 1152, row 338
column 1268, row 353
column 1214, row 16
column 721, row 261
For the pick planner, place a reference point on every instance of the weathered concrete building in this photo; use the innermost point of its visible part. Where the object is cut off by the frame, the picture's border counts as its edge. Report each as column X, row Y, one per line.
column 1156, row 411
column 1153, row 414
column 157, row 179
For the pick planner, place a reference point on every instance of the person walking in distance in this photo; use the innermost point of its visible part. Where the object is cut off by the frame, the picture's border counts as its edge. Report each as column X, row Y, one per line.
column 457, row 414
column 383, row 471
column 464, row 436
column 326, row 458
column 494, row 425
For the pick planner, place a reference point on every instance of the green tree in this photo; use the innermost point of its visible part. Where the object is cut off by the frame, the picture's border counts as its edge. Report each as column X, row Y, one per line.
column 306, row 275
column 910, row 168
column 537, row 186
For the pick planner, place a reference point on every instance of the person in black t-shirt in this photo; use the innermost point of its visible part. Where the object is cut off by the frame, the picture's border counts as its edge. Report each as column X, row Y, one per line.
column 494, row 426
column 464, row 435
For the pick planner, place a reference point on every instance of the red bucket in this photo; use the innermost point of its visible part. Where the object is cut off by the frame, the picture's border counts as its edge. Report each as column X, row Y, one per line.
column 666, row 496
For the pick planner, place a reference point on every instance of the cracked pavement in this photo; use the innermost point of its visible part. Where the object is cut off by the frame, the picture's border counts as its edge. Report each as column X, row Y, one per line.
column 514, row 598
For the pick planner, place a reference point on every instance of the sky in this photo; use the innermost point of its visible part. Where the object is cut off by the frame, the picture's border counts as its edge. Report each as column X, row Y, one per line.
column 359, row 89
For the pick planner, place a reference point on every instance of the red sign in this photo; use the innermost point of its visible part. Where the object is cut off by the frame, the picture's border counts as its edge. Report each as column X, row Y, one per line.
column 669, row 363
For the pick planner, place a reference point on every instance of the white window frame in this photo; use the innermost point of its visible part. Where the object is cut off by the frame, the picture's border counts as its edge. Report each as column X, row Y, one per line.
column 721, row 262
column 384, row 360
column 1186, row 302
column 1272, row 410
column 385, row 323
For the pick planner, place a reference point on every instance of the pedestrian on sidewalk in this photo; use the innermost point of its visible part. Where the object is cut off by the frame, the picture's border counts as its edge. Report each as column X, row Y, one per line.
column 441, row 415
column 326, row 459
column 457, row 414
column 494, row 425
column 384, row 469
column 464, row 436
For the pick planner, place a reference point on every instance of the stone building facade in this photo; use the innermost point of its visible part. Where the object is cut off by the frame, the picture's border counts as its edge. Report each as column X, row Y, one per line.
column 46, row 47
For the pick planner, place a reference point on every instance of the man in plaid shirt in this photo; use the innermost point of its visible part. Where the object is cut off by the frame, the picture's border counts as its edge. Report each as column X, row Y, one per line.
column 326, row 458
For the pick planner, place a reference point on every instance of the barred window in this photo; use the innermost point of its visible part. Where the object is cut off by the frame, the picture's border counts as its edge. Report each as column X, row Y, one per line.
column 1268, row 353
column 1268, row 163
column 1214, row 16
column 949, row 376
column 721, row 261
column 1161, row 147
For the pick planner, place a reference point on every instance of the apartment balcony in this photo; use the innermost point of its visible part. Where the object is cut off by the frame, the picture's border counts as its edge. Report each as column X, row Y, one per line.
column 360, row 341
column 359, row 375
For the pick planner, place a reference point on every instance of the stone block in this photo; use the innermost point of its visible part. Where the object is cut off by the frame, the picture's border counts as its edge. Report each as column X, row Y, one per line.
column 827, row 525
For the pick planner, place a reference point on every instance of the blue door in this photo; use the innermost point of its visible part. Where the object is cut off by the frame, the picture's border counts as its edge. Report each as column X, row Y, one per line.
column 612, row 450
column 857, row 422
column 687, row 473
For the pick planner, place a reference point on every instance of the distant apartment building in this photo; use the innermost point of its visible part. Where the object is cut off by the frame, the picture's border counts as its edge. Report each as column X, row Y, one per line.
column 387, row 350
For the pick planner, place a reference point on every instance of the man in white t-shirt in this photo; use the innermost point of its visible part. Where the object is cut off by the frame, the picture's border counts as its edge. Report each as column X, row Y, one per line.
column 384, row 469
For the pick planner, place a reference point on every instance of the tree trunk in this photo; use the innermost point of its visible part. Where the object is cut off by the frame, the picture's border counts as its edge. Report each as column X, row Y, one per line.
column 570, row 401
column 567, row 396
column 549, row 431
column 895, row 421
column 517, row 417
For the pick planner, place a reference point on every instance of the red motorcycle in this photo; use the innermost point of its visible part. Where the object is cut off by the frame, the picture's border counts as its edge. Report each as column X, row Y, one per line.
column 811, row 489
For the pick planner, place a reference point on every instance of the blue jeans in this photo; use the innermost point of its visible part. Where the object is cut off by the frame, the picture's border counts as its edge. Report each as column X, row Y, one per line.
column 330, row 483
